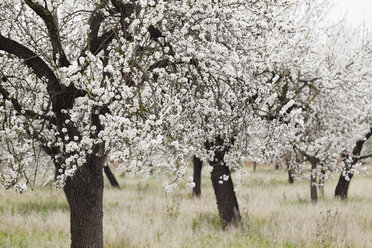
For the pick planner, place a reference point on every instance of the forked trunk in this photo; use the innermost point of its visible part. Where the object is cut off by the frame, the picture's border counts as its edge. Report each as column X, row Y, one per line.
column 84, row 193
column 349, row 161
column 344, row 181
column 111, row 177
column 196, row 191
column 343, row 186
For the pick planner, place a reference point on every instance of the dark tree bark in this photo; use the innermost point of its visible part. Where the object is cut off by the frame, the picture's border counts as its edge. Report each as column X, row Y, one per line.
column 290, row 171
column 227, row 203
column 290, row 177
column 276, row 166
column 111, row 177
column 254, row 166
column 321, row 182
column 84, row 193
column 343, row 184
column 313, row 181
column 196, row 191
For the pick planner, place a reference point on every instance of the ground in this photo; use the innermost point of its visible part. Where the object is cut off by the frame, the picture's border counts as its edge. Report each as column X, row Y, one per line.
column 275, row 214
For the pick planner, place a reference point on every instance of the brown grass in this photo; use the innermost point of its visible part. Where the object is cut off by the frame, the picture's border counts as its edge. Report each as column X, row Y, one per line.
column 275, row 214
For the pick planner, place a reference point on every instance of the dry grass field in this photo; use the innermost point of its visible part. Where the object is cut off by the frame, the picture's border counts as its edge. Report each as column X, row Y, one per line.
column 275, row 214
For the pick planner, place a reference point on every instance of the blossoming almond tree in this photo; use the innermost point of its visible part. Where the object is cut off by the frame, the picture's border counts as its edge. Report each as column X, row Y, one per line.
column 231, row 101
column 56, row 88
column 357, row 78
column 337, row 116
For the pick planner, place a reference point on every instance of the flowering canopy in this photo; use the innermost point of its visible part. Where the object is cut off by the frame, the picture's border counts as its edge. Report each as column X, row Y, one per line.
column 149, row 82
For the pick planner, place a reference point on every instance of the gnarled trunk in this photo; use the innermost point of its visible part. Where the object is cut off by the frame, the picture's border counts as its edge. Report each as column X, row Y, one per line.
column 349, row 161
column 84, row 193
column 196, row 191
column 111, row 177
column 227, row 203
column 343, row 186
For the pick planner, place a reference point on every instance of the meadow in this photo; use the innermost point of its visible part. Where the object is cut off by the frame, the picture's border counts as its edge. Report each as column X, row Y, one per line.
column 140, row 214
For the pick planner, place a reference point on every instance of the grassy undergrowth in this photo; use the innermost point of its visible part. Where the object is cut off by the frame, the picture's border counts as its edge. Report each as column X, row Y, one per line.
column 275, row 214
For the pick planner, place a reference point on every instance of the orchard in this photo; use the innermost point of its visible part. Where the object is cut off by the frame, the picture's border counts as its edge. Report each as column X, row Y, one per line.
column 161, row 88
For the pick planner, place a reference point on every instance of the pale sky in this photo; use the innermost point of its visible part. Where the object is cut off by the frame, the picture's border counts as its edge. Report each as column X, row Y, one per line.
column 356, row 11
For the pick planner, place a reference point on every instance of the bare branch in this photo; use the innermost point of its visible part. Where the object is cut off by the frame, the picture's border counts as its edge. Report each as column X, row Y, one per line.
column 98, row 44
column 28, row 113
column 365, row 156
column 32, row 60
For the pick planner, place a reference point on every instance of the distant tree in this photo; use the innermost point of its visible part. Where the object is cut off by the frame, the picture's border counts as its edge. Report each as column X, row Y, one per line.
column 289, row 170
column 335, row 112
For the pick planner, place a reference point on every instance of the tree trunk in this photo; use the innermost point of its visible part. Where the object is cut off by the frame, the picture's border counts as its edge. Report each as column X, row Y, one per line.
column 343, row 186
column 254, row 165
column 227, row 203
column 84, row 193
column 289, row 169
column 349, row 161
column 111, row 177
column 313, row 184
column 290, row 177
column 276, row 166
column 196, row 191
column 321, row 182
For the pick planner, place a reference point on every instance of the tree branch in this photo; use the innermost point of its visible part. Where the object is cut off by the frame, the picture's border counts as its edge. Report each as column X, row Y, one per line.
column 28, row 113
column 61, row 96
column 98, row 44
column 365, row 156
column 51, row 24
column 32, row 60
column 95, row 23
column 125, row 9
